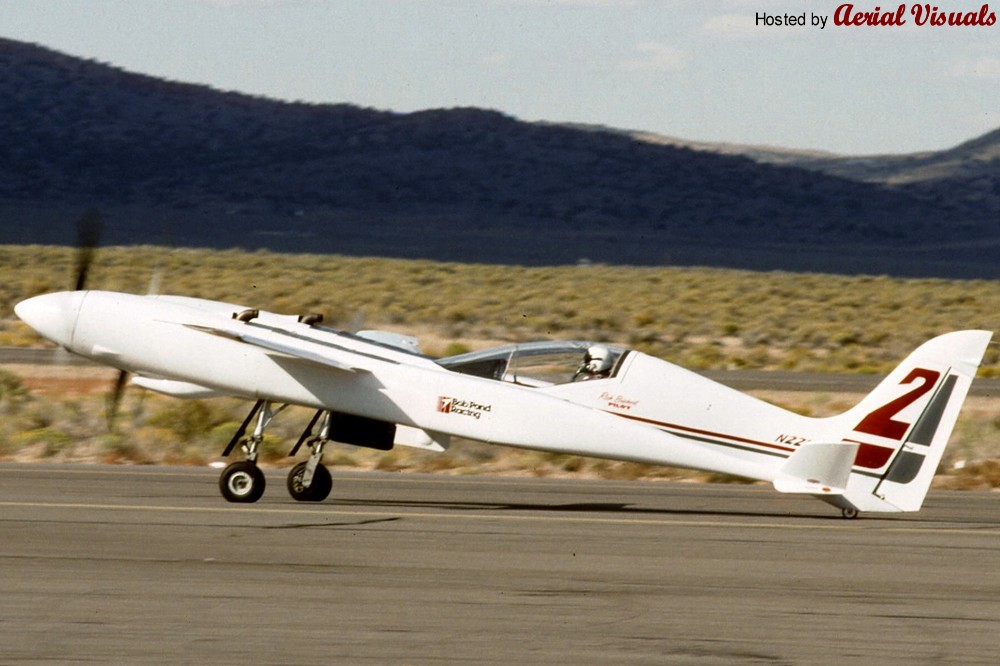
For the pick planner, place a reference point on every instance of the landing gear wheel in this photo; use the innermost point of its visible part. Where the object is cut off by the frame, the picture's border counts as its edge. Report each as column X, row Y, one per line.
column 322, row 483
column 850, row 514
column 242, row 482
column 317, row 491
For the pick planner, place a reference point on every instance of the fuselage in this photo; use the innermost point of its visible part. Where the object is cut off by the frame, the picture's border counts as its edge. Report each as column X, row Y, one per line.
column 632, row 416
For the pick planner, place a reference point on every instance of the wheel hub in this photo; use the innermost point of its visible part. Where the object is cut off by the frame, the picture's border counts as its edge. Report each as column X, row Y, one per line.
column 240, row 483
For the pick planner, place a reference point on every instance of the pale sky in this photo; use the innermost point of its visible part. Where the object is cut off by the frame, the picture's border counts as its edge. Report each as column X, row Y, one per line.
column 702, row 71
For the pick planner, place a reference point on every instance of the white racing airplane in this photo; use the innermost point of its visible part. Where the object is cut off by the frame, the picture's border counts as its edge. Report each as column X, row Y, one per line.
column 375, row 389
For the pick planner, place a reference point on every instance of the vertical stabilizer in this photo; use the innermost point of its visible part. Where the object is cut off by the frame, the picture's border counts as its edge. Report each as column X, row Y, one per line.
column 903, row 426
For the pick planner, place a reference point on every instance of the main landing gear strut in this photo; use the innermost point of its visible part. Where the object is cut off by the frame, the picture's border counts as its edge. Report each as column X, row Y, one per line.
column 308, row 481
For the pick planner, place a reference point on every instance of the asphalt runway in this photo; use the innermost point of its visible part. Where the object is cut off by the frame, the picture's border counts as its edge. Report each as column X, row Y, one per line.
column 138, row 565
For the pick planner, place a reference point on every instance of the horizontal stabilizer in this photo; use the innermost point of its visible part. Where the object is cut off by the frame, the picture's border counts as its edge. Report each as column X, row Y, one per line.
column 817, row 468
column 421, row 439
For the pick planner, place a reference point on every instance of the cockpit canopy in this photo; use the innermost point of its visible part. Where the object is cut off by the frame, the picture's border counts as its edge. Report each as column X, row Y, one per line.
column 540, row 364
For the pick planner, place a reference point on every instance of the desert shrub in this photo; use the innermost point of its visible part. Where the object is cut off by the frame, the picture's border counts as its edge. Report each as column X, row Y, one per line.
column 13, row 394
column 51, row 440
column 187, row 419
column 455, row 348
column 980, row 475
column 389, row 462
column 340, row 458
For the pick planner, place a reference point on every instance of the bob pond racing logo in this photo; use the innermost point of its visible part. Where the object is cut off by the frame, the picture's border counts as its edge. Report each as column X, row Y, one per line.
column 462, row 407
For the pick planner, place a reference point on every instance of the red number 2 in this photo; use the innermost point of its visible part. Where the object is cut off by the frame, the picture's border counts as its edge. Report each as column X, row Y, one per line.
column 880, row 422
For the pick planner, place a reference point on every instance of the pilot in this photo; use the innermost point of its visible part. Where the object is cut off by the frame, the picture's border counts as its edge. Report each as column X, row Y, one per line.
column 596, row 364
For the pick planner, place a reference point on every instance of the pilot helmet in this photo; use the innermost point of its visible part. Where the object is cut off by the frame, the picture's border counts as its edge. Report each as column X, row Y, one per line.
column 597, row 359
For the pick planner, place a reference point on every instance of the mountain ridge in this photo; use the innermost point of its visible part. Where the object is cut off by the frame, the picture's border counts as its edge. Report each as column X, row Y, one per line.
column 179, row 163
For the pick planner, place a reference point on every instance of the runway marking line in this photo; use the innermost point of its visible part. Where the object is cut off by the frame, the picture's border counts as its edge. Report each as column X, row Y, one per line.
column 845, row 525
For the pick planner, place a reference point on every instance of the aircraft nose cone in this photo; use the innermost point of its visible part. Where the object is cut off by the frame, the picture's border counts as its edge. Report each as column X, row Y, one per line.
column 53, row 316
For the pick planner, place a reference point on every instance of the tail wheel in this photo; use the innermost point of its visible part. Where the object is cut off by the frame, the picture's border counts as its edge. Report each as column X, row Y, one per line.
column 317, row 491
column 242, row 482
column 850, row 513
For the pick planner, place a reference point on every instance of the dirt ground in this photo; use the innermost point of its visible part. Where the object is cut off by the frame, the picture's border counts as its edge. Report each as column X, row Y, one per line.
column 66, row 380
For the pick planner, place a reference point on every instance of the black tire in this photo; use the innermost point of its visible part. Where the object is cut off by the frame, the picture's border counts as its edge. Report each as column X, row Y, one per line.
column 242, row 482
column 322, row 483
column 849, row 513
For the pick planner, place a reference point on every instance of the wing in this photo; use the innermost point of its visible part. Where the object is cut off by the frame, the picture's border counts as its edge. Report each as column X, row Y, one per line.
column 297, row 347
